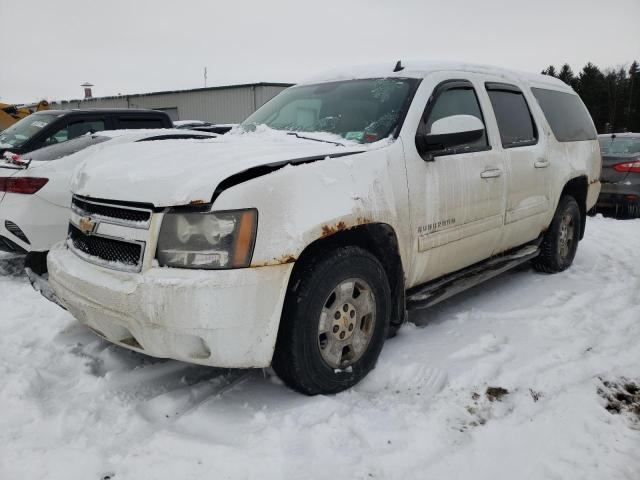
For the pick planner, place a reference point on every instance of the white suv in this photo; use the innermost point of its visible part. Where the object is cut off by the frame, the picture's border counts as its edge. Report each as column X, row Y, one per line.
column 300, row 239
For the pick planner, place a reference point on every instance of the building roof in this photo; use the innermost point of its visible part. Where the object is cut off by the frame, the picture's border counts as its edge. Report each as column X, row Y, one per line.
column 166, row 92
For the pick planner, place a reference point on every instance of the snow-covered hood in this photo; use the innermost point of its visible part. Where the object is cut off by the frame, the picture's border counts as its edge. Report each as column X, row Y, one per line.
column 178, row 172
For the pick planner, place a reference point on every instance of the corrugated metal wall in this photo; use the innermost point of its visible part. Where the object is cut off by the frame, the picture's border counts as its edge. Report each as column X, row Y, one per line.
column 216, row 105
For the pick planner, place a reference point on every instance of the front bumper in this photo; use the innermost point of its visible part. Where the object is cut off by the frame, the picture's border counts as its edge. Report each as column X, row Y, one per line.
column 223, row 318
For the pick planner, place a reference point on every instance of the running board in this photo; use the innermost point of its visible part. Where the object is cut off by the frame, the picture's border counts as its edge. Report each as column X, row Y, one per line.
column 436, row 291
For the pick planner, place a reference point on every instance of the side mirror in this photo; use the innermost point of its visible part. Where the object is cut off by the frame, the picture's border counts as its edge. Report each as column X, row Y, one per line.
column 450, row 132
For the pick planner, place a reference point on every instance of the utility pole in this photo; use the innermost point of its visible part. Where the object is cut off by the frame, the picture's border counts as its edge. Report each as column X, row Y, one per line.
column 205, row 77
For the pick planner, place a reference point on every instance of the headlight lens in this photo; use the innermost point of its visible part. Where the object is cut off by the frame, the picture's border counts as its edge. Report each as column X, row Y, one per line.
column 209, row 240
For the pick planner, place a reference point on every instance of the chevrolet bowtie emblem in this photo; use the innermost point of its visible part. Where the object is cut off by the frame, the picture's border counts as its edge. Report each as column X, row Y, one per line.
column 87, row 226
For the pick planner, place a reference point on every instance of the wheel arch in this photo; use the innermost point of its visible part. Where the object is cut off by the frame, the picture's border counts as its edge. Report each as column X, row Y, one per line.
column 578, row 188
column 381, row 241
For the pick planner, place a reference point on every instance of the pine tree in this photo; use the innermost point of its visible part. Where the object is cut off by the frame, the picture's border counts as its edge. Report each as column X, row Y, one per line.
column 550, row 70
column 633, row 105
column 612, row 97
column 592, row 88
column 566, row 75
column 614, row 92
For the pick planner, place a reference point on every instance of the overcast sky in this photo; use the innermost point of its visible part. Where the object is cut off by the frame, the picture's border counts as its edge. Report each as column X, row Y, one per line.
column 48, row 48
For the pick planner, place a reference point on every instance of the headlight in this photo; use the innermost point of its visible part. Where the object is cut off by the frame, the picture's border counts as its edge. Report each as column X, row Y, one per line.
column 211, row 240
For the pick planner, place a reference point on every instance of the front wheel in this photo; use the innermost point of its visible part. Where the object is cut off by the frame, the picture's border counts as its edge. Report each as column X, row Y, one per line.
column 334, row 323
column 560, row 242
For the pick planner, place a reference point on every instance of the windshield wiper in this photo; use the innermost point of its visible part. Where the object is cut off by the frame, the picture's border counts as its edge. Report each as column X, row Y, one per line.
column 315, row 139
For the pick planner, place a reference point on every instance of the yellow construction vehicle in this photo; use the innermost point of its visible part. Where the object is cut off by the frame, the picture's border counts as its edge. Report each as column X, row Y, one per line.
column 10, row 114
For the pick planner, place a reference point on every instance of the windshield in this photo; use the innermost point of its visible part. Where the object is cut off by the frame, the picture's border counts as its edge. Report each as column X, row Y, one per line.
column 20, row 132
column 359, row 110
column 619, row 145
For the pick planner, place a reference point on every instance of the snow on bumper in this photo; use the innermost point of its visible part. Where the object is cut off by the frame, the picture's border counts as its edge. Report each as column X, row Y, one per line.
column 223, row 318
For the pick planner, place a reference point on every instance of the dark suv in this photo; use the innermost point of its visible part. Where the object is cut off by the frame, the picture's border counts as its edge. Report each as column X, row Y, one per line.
column 620, row 177
column 49, row 127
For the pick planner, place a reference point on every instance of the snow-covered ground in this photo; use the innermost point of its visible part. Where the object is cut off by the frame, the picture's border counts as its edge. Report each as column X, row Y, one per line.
column 75, row 407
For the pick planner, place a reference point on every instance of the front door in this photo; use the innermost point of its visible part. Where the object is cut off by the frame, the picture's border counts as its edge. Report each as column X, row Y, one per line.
column 456, row 195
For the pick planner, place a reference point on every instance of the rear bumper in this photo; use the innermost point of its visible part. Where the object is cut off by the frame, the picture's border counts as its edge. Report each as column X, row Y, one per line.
column 42, row 222
column 224, row 318
column 613, row 194
column 8, row 245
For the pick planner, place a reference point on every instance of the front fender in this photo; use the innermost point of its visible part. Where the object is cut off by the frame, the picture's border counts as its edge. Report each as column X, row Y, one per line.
column 299, row 204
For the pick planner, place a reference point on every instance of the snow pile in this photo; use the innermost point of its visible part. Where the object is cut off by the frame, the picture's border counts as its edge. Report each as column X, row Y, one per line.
column 514, row 379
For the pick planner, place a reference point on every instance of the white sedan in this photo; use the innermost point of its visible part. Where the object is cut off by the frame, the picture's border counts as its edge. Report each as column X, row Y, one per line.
column 35, row 197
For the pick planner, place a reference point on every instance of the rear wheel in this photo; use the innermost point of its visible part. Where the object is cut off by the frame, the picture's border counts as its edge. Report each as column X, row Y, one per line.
column 334, row 323
column 560, row 242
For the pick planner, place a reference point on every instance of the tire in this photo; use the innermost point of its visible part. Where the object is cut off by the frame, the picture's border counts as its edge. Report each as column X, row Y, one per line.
column 631, row 209
column 310, row 335
column 560, row 242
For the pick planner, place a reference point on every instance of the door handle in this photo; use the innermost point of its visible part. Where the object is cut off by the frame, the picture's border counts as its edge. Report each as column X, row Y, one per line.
column 491, row 172
column 541, row 163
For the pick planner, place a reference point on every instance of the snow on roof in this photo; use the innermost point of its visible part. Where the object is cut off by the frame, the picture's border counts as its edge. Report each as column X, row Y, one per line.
column 189, row 122
column 420, row 69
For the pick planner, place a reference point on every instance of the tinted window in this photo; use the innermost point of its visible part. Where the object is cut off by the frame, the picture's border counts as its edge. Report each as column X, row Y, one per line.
column 55, row 152
column 514, row 118
column 457, row 101
column 567, row 116
column 75, row 130
column 124, row 123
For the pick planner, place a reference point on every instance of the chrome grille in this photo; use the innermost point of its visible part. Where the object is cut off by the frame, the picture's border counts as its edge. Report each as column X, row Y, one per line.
column 136, row 217
column 106, row 251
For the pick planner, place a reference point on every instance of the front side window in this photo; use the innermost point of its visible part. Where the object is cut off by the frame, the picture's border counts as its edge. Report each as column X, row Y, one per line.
column 22, row 131
column 360, row 110
column 567, row 116
column 514, row 118
column 75, row 130
column 460, row 100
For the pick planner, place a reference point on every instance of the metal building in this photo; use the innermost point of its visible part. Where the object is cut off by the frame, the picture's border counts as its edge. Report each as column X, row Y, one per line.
column 228, row 104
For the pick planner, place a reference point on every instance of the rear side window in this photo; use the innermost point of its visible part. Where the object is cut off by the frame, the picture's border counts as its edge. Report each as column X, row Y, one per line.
column 514, row 118
column 125, row 123
column 567, row 116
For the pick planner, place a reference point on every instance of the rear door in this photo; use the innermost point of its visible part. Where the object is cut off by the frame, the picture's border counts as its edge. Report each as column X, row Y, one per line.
column 527, row 164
